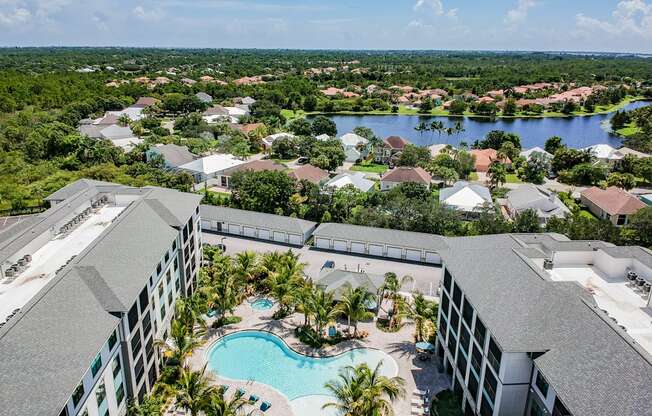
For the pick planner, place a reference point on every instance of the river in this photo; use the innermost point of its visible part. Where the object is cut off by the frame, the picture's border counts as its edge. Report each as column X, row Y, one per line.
column 575, row 131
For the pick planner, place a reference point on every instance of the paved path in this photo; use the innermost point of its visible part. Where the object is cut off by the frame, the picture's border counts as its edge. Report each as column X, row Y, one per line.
column 400, row 346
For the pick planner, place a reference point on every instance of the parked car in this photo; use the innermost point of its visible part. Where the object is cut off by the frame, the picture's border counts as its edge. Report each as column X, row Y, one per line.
column 328, row 264
column 303, row 160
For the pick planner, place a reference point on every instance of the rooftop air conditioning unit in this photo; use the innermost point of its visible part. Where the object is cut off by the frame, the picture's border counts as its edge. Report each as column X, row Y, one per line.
column 547, row 264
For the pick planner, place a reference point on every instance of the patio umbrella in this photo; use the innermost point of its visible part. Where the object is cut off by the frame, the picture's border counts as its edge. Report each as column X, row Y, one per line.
column 424, row 346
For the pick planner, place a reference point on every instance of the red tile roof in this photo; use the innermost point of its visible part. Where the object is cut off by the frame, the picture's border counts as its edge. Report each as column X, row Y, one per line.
column 484, row 157
column 613, row 200
column 396, row 142
column 407, row 174
column 246, row 128
column 146, row 102
column 310, row 173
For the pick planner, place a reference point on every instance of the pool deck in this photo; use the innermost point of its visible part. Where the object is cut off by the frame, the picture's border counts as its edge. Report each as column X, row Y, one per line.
column 399, row 345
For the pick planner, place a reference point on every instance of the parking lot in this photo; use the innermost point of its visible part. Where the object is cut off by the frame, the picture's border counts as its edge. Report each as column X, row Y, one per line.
column 425, row 277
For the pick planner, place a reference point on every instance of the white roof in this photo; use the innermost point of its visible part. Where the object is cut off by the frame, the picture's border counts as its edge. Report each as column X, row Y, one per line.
column 323, row 137
column 212, row 164
column 356, row 179
column 127, row 144
column 115, row 131
column 352, row 140
column 527, row 153
column 134, row 113
column 235, row 111
column 436, row 149
column 604, row 151
column 465, row 197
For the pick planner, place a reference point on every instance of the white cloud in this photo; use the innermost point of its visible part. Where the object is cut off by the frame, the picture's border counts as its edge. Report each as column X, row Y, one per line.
column 435, row 7
column 631, row 17
column 519, row 13
column 149, row 15
column 15, row 16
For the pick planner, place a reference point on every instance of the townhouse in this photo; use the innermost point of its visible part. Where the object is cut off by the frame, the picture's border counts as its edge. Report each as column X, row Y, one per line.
column 91, row 284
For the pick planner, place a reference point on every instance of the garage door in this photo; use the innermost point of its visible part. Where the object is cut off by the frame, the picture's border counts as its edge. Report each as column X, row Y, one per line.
column 413, row 255
column 263, row 234
column 234, row 229
column 322, row 243
column 357, row 247
column 279, row 236
column 295, row 239
column 249, row 231
column 339, row 245
column 433, row 258
column 394, row 252
column 375, row 250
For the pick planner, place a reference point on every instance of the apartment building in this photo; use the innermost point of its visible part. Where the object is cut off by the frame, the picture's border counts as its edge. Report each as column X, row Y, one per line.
column 539, row 325
column 87, row 286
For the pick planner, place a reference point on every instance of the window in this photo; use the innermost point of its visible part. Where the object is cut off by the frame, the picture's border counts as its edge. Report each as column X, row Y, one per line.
column 485, row 408
column 444, row 304
column 147, row 324
column 139, row 369
column 457, row 297
column 85, row 412
column 447, row 280
column 461, row 365
column 162, row 310
column 149, row 348
column 468, row 410
column 541, row 384
column 176, row 264
column 100, row 394
column 622, row 220
column 151, row 376
column 158, row 269
column 190, row 224
column 473, row 387
column 452, row 342
column 120, row 394
column 160, row 290
column 479, row 332
column 185, row 233
column 144, row 300
column 177, row 284
column 442, row 327
column 559, row 409
column 174, row 245
column 455, row 320
column 141, row 393
column 167, row 257
column 135, row 344
column 133, row 316
column 170, row 298
column 465, row 339
column 78, row 394
column 113, row 339
column 535, row 408
column 467, row 315
column 490, row 384
column 96, row 365
column 116, row 366
column 64, row 412
column 168, row 277
column 476, row 360
column 494, row 355
column 458, row 390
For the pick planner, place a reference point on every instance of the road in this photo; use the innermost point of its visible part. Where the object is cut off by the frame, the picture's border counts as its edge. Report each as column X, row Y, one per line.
column 425, row 277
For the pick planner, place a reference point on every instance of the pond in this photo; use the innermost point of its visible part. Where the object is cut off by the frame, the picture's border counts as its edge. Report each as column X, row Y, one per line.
column 575, row 131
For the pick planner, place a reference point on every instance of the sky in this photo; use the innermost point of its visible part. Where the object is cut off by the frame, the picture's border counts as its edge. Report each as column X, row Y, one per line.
column 551, row 25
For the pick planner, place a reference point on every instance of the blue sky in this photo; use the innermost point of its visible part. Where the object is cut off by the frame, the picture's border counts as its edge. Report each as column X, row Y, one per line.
column 586, row 25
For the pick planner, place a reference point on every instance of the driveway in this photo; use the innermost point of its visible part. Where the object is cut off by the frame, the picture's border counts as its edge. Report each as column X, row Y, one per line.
column 425, row 277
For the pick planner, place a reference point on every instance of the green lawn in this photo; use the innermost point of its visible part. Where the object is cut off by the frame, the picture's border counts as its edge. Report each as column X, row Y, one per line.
column 513, row 178
column 628, row 130
column 587, row 214
column 370, row 168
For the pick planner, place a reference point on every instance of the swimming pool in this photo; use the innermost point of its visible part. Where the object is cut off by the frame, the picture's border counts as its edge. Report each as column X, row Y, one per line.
column 262, row 304
column 265, row 358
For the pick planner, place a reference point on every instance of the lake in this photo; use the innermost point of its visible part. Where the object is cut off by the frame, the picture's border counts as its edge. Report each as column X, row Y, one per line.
column 575, row 131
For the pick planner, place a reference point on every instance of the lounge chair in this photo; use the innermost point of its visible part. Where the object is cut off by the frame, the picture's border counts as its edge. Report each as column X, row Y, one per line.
column 265, row 406
column 253, row 399
column 224, row 388
column 240, row 392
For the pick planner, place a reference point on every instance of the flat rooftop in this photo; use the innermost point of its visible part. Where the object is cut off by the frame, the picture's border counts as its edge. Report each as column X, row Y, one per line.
column 48, row 259
column 622, row 303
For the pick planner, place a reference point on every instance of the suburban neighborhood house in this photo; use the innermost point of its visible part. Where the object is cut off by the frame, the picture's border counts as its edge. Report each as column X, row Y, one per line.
column 484, row 158
column 355, row 179
column 253, row 166
column 466, row 197
column 527, row 154
column 355, row 147
column 172, row 155
column 404, row 174
column 310, row 173
column 613, row 204
column 543, row 202
column 389, row 149
column 211, row 167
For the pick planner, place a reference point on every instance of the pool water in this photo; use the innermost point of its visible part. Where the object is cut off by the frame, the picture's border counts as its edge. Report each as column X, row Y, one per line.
column 265, row 358
column 262, row 304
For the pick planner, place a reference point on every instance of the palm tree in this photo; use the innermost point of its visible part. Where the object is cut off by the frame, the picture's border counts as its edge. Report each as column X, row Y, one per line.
column 421, row 127
column 497, row 174
column 149, row 406
column 389, row 290
column 194, row 390
column 359, row 391
column 353, row 305
column 324, row 309
column 304, row 300
column 182, row 342
column 189, row 312
column 283, row 285
column 424, row 314
column 220, row 406
column 246, row 265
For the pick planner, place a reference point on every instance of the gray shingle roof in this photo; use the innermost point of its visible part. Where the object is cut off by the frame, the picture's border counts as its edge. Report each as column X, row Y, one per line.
column 175, row 155
column 544, row 202
column 590, row 364
column 257, row 219
column 381, row 235
column 335, row 280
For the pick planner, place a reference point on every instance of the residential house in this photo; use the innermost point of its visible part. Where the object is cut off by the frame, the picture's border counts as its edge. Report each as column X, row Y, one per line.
column 173, row 155
column 246, row 128
column 604, row 153
column 527, row 154
column 188, row 81
column 439, row 148
column 269, row 140
column 390, row 149
column 336, row 281
column 613, row 204
column 120, row 136
column 143, row 102
column 211, row 167
column 404, row 174
column 236, row 113
column 626, row 151
column 542, row 201
column 253, row 166
column 204, row 98
column 484, row 158
column 323, row 137
column 310, row 173
column 355, row 179
column 355, row 147
column 466, row 197
column 216, row 114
